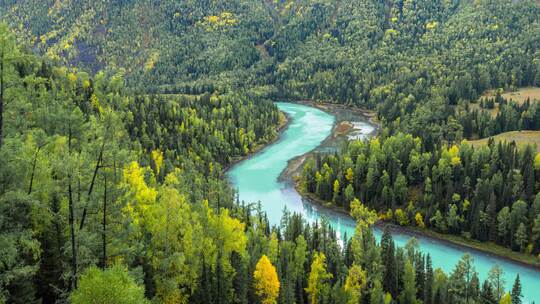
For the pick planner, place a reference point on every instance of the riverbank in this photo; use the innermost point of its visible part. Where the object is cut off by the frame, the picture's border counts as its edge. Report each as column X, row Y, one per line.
column 256, row 180
column 334, row 109
column 346, row 123
column 295, row 165
column 489, row 248
column 282, row 126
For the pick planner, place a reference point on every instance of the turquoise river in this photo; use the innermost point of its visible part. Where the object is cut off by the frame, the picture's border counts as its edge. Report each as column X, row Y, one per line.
column 256, row 179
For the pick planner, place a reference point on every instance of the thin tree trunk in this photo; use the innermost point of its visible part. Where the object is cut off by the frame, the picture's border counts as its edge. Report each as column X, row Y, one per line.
column 1, row 95
column 33, row 171
column 98, row 164
column 72, row 225
column 34, row 163
column 73, row 243
column 104, row 223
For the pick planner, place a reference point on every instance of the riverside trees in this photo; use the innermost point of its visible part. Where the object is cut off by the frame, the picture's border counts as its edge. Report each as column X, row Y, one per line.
column 488, row 192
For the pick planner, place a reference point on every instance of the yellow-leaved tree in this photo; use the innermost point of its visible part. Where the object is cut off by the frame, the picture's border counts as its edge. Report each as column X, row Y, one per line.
column 356, row 281
column 537, row 161
column 318, row 278
column 419, row 220
column 363, row 216
column 364, row 219
column 173, row 251
column 349, row 175
column 157, row 157
column 506, row 299
column 266, row 281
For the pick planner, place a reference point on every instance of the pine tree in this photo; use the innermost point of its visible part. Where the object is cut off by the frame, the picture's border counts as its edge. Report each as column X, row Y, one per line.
column 516, row 291
column 240, row 281
column 487, row 295
column 461, row 279
column 389, row 262
column 428, row 292
column 420, row 276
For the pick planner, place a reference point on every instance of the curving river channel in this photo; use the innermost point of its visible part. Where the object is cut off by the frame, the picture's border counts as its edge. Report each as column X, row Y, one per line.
column 256, row 179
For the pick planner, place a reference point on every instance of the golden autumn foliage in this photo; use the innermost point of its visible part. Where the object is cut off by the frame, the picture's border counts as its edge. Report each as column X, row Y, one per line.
column 506, row 299
column 157, row 157
column 318, row 276
column 140, row 195
column 226, row 232
column 336, row 186
column 401, row 217
column 431, row 25
column 363, row 216
column 419, row 220
column 350, row 175
column 356, row 281
column 537, row 161
column 94, row 101
column 225, row 19
column 266, row 281
column 453, row 155
column 72, row 78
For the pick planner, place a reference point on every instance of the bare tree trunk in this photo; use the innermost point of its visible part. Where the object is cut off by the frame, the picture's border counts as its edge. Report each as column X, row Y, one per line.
column 34, row 163
column 104, row 223
column 73, row 243
column 2, row 94
column 98, row 164
column 72, row 224
column 33, row 171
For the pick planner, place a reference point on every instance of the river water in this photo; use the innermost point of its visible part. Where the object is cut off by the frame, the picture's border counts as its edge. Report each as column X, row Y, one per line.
column 256, row 179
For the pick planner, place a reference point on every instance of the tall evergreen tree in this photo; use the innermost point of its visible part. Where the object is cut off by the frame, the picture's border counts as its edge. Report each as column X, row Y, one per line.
column 516, row 291
column 428, row 291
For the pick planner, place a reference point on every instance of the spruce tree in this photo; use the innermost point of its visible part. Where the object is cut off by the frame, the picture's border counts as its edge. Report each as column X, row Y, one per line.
column 389, row 262
column 487, row 295
column 516, row 291
column 428, row 290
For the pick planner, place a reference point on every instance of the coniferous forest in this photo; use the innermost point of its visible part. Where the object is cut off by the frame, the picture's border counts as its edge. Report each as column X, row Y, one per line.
column 120, row 118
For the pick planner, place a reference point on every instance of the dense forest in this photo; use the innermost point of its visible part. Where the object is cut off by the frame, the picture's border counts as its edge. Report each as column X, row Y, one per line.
column 91, row 205
column 486, row 193
column 118, row 118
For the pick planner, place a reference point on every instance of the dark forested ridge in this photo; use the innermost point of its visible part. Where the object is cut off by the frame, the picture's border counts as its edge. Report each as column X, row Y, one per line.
column 118, row 117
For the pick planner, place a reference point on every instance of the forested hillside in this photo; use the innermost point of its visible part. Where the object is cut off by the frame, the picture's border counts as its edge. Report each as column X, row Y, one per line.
column 153, row 43
column 412, row 60
column 117, row 118
column 389, row 55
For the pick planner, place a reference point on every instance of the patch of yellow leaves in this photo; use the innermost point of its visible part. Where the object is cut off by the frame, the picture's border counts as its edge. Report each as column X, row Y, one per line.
column 214, row 22
column 432, row 25
column 266, row 281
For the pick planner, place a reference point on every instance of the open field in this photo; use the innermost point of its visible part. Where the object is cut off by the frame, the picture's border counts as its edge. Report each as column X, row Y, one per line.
column 522, row 94
column 476, row 106
column 519, row 96
column 521, row 138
